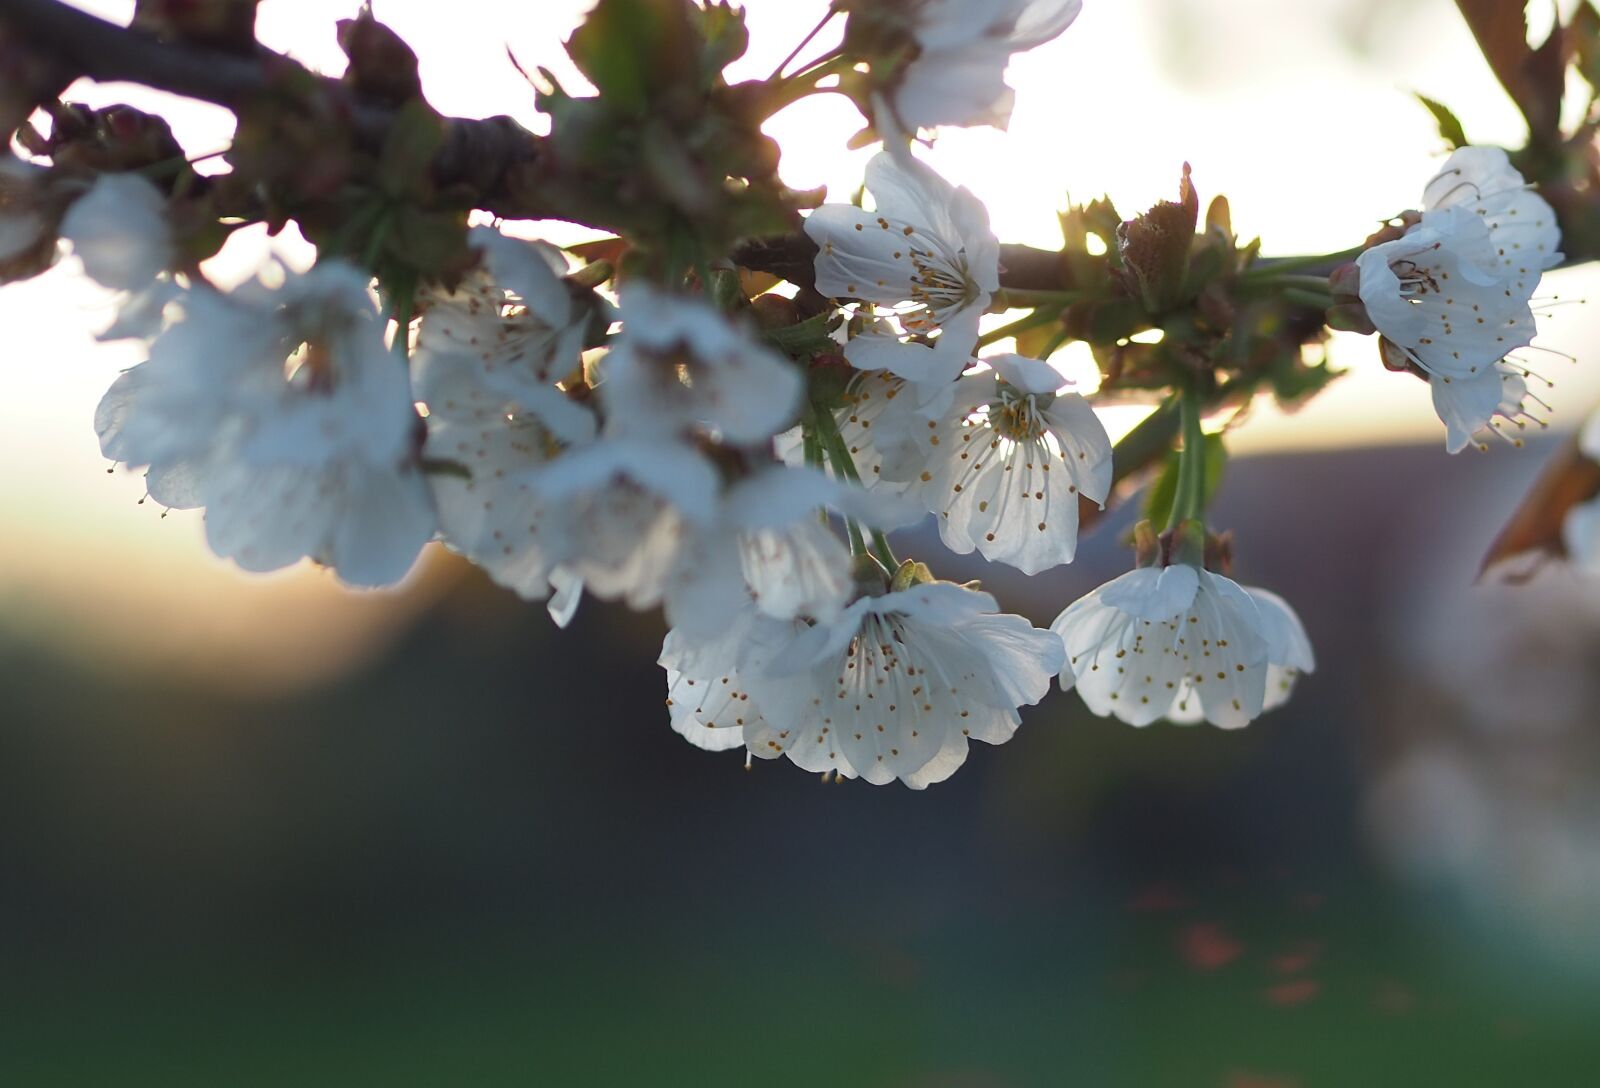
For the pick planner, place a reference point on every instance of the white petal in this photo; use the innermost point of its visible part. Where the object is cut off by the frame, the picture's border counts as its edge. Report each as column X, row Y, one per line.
column 119, row 230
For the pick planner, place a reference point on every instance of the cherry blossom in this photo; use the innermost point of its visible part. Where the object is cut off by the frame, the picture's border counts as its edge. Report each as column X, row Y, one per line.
column 894, row 688
column 1004, row 469
column 926, row 253
column 1180, row 642
column 680, row 364
column 1452, row 297
column 283, row 413
column 964, row 46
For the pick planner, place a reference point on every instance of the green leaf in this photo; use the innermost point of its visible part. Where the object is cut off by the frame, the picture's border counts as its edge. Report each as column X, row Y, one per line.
column 809, row 337
column 723, row 31
column 1449, row 125
column 432, row 243
column 409, row 148
column 633, row 49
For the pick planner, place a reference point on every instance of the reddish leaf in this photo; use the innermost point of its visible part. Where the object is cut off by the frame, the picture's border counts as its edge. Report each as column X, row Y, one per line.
column 1533, row 78
column 1535, row 527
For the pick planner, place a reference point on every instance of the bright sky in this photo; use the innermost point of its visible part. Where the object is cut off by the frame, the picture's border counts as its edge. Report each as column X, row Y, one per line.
column 1300, row 113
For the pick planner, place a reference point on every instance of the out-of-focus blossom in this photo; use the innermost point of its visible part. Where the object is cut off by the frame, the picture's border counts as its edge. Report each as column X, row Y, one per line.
column 680, row 364
column 119, row 230
column 964, row 46
column 511, row 329
column 283, row 413
column 486, row 366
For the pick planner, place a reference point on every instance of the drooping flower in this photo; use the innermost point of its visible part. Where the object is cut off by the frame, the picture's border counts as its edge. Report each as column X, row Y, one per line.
column 963, row 47
column 1183, row 643
column 897, row 686
column 707, row 701
column 680, row 364
column 926, row 253
column 1451, row 297
column 283, row 413
column 1004, row 469
column 512, row 326
column 1438, row 296
column 1472, row 406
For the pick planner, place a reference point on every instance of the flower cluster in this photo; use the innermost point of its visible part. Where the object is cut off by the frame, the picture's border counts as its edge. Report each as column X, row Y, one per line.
column 650, row 419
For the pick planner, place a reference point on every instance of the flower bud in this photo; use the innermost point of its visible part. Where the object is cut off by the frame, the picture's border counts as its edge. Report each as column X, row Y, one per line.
column 1155, row 248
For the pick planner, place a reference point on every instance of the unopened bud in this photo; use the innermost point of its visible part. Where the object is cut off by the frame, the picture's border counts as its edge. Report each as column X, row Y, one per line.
column 1155, row 248
column 911, row 573
column 1344, row 282
column 1350, row 317
column 775, row 311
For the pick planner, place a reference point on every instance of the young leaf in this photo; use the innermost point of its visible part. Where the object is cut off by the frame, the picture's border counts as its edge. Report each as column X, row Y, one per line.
column 1533, row 78
column 1534, row 528
column 1449, row 125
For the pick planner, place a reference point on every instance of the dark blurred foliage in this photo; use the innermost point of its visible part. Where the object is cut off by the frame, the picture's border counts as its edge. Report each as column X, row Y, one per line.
column 486, row 859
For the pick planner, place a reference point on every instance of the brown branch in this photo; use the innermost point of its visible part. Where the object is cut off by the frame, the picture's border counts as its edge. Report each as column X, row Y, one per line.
column 495, row 158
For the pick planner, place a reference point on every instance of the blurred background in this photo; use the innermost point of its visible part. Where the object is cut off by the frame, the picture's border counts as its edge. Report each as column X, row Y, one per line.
column 263, row 831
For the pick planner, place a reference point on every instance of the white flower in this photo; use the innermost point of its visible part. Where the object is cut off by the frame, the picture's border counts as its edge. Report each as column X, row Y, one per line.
column 897, row 685
column 1522, row 225
column 27, row 223
column 1289, row 653
column 1004, row 469
column 958, row 75
column 622, row 510
column 119, row 230
column 763, row 545
column 707, row 701
column 681, row 364
column 926, row 253
column 284, row 415
column 1438, row 295
column 1580, row 530
column 1452, row 297
column 511, row 326
column 1473, row 406
column 486, row 365
column 1182, row 643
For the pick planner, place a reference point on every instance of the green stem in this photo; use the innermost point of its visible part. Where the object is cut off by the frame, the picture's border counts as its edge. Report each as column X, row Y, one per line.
column 1309, row 283
column 844, row 465
column 1317, row 300
column 1041, row 316
column 791, row 89
column 1189, row 503
column 1272, row 266
column 1017, row 298
column 827, row 17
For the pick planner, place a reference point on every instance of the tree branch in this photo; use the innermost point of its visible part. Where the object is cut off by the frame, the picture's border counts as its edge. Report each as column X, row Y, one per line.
column 495, row 157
